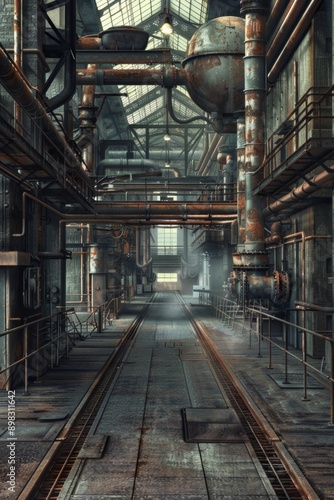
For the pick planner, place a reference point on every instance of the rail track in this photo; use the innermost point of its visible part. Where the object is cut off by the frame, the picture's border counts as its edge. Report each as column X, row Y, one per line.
column 50, row 484
column 283, row 482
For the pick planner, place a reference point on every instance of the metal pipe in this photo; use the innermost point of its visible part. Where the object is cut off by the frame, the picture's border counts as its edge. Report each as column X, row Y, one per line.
column 241, row 199
column 87, row 120
column 276, row 234
column 301, row 192
column 295, row 37
column 275, row 14
column 21, row 92
column 255, row 24
column 291, row 15
column 138, row 248
column 18, row 54
column 165, row 77
column 208, row 155
column 168, row 213
column 131, row 165
column 313, row 307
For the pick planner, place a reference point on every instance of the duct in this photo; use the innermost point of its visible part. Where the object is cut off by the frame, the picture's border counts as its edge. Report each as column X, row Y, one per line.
column 301, row 192
column 120, row 165
column 21, row 92
column 295, row 37
column 167, row 76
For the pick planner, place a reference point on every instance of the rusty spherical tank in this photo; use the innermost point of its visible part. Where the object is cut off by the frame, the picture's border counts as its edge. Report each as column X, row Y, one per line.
column 214, row 65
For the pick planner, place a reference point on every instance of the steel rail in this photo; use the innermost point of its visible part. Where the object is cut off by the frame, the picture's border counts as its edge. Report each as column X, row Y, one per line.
column 281, row 475
column 52, row 479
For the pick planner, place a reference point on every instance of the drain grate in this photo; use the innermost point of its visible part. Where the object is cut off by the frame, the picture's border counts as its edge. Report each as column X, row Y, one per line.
column 212, row 425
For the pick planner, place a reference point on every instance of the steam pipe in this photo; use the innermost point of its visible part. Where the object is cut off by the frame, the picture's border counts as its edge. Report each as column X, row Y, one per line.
column 301, row 192
column 18, row 53
column 275, row 14
column 138, row 241
column 210, row 152
column 291, row 45
column 292, row 14
column 178, row 120
column 166, row 77
column 120, row 165
column 276, row 234
column 241, row 199
column 87, row 119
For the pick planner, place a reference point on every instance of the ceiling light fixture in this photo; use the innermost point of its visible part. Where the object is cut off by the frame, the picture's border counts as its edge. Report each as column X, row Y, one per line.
column 166, row 21
column 167, row 136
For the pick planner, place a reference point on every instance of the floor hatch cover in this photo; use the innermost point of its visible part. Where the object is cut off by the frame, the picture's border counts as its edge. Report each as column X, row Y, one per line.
column 212, row 425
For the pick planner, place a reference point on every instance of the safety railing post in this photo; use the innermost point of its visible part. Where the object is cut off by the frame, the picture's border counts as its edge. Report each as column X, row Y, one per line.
column 332, row 383
column 304, row 356
column 99, row 320
column 25, row 348
column 286, row 349
column 270, row 345
column 37, row 353
column 58, row 337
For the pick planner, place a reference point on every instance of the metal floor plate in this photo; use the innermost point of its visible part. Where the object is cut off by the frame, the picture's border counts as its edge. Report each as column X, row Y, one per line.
column 212, row 425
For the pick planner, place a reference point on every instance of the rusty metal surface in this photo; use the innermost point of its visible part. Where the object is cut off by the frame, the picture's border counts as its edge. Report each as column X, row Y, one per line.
column 212, row 425
column 214, row 65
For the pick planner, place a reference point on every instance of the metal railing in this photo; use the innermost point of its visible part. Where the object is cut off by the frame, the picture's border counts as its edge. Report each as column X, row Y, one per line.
column 312, row 118
column 252, row 319
column 53, row 335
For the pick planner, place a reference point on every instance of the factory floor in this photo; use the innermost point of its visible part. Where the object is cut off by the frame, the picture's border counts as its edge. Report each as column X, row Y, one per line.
column 144, row 407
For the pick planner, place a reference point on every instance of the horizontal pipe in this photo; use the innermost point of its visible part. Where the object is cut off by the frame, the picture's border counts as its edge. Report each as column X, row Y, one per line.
column 314, row 307
column 301, row 192
column 166, row 77
column 143, row 208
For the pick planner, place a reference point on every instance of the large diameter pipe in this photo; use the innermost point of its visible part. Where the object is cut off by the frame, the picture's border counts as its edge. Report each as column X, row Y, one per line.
column 166, row 77
column 301, row 192
column 19, row 89
column 292, row 14
column 170, row 209
column 295, row 37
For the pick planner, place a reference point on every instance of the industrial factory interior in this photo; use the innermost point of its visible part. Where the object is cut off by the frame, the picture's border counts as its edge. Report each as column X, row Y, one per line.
column 166, row 231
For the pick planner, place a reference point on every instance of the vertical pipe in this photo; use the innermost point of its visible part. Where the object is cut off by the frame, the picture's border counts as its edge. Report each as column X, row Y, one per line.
column 18, row 55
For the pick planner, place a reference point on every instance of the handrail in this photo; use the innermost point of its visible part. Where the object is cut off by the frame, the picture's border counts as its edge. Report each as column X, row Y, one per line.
column 226, row 310
column 61, row 329
column 310, row 113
